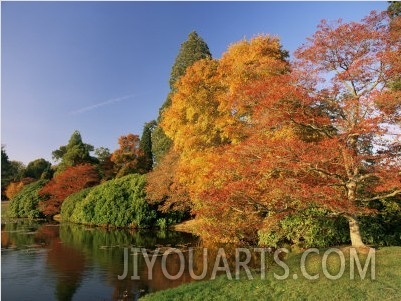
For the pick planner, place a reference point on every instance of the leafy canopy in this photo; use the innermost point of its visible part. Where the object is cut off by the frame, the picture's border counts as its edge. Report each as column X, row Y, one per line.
column 119, row 202
column 74, row 153
column 71, row 180
column 192, row 50
column 257, row 142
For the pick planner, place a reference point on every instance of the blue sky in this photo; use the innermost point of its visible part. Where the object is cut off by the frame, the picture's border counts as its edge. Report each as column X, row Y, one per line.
column 103, row 67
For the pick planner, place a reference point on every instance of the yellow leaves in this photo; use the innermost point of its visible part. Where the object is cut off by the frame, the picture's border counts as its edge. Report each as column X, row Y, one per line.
column 211, row 105
column 217, row 105
column 247, row 61
column 189, row 118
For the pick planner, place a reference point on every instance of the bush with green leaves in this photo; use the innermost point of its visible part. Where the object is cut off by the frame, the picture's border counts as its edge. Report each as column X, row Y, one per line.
column 119, row 203
column 384, row 228
column 25, row 203
column 312, row 228
column 315, row 228
column 69, row 207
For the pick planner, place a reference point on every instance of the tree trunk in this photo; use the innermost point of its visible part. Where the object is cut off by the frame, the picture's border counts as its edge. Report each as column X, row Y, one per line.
column 355, row 234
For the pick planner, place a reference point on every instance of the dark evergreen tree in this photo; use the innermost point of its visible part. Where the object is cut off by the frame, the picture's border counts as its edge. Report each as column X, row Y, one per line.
column 146, row 160
column 6, row 171
column 192, row 50
column 37, row 168
column 394, row 9
column 74, row 153
column 17, row 170
column 11, row 171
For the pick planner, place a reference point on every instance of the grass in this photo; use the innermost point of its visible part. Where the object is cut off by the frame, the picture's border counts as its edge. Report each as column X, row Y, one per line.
column 385, row 286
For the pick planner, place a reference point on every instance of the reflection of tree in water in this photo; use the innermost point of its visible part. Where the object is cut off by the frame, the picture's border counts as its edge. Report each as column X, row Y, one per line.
column 67, row 262
column 6, row 242
column 71, row 247
column 17, row 234
column 106, row 248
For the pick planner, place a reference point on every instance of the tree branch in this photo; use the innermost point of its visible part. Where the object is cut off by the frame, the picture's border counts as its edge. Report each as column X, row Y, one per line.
column 389, row 195
column 324, row 131
column 325, row 172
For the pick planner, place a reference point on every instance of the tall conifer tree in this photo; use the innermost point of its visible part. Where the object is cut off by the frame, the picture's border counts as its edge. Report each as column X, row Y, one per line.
column 192, row 50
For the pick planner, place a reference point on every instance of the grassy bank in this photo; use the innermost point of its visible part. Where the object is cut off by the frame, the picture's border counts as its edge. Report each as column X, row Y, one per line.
column 385, row 286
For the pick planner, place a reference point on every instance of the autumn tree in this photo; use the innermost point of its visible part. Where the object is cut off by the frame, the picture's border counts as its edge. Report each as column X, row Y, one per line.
column 211, row 107
column 356, row 159
column 63, row 184
column 218, row 105
column 74, row 153
column 192, row 50
column 14, row 187
column 126, row 158
column 163, row 188
column 324, row 145
column 258, row 143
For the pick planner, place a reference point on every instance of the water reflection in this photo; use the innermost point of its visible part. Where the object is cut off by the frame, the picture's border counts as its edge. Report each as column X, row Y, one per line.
column 42, row 261
column 106, row 248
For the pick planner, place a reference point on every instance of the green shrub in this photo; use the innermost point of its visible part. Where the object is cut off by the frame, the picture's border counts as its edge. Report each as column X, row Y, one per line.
column 171, row 218
column 70, row 203
column 161, row 223
column 312, row 228
column 315, row 229
column 119, row 202
column 25, row 203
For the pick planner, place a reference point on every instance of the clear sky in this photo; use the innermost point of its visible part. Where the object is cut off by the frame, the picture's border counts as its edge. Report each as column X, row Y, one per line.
column 103, row 67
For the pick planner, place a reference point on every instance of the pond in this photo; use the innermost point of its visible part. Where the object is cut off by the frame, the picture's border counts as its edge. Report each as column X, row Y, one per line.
column 63, row 261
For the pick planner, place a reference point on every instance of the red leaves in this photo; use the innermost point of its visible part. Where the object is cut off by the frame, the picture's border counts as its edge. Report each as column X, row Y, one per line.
column 72, row 180
column 312, row 145
column 257, row 141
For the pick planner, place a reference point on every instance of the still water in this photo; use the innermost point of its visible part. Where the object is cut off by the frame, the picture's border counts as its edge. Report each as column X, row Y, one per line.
column 52, row 261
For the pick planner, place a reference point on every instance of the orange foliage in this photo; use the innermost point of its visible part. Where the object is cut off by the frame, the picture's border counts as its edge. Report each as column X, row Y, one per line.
column 256, row 142
column 218, row 106
column 162, row 187
column 72, row 180
column 212, row 105
column 126, row 157
column 15, row 187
